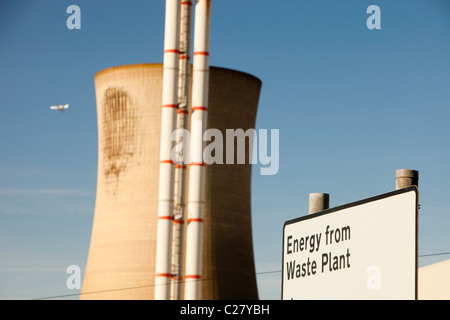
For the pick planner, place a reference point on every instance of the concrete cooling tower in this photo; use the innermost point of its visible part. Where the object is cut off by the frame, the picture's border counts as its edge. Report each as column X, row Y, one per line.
column 121, row 261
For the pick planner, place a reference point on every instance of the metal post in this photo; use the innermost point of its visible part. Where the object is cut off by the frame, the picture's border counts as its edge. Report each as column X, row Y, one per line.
column 318, row 202
column 405, row 178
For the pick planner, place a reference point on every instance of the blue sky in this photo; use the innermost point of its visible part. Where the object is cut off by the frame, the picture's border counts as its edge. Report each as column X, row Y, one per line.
column 352, row 106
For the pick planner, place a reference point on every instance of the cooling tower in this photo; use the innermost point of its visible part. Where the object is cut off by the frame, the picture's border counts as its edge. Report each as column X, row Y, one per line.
column 121, row 261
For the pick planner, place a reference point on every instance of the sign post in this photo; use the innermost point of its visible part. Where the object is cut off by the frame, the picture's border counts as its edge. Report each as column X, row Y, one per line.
column 362, row 250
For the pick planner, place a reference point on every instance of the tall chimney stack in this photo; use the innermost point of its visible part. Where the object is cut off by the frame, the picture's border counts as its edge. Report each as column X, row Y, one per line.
column 199, row 117
column 166, row 173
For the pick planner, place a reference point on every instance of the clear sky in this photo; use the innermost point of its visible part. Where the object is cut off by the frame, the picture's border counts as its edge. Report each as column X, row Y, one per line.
column 352, row 105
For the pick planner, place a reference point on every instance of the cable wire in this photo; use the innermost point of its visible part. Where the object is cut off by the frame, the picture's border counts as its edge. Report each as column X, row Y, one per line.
column 434, row 254
column 137, row 287
column 182, row 281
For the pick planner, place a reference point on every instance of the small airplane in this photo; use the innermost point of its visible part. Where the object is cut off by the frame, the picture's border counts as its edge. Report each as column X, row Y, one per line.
column 60, row 107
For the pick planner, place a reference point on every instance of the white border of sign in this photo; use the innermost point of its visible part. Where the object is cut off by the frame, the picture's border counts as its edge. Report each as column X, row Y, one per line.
column 320, row 280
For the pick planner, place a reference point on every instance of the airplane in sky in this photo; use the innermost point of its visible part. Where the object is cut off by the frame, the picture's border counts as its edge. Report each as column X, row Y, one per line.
column 60, row 107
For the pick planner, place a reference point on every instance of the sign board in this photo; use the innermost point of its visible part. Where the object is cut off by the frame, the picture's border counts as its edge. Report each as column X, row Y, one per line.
column 362, row 250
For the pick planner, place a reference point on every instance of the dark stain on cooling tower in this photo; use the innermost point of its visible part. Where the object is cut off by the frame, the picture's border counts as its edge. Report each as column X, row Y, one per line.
column 119, row 131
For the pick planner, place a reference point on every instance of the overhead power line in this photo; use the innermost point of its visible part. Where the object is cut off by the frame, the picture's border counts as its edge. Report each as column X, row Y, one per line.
column 133, row 288
column 434, row 254
column 152, row 285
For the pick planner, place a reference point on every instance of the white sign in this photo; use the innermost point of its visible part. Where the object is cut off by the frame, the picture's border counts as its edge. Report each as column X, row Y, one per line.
column 362, row 250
